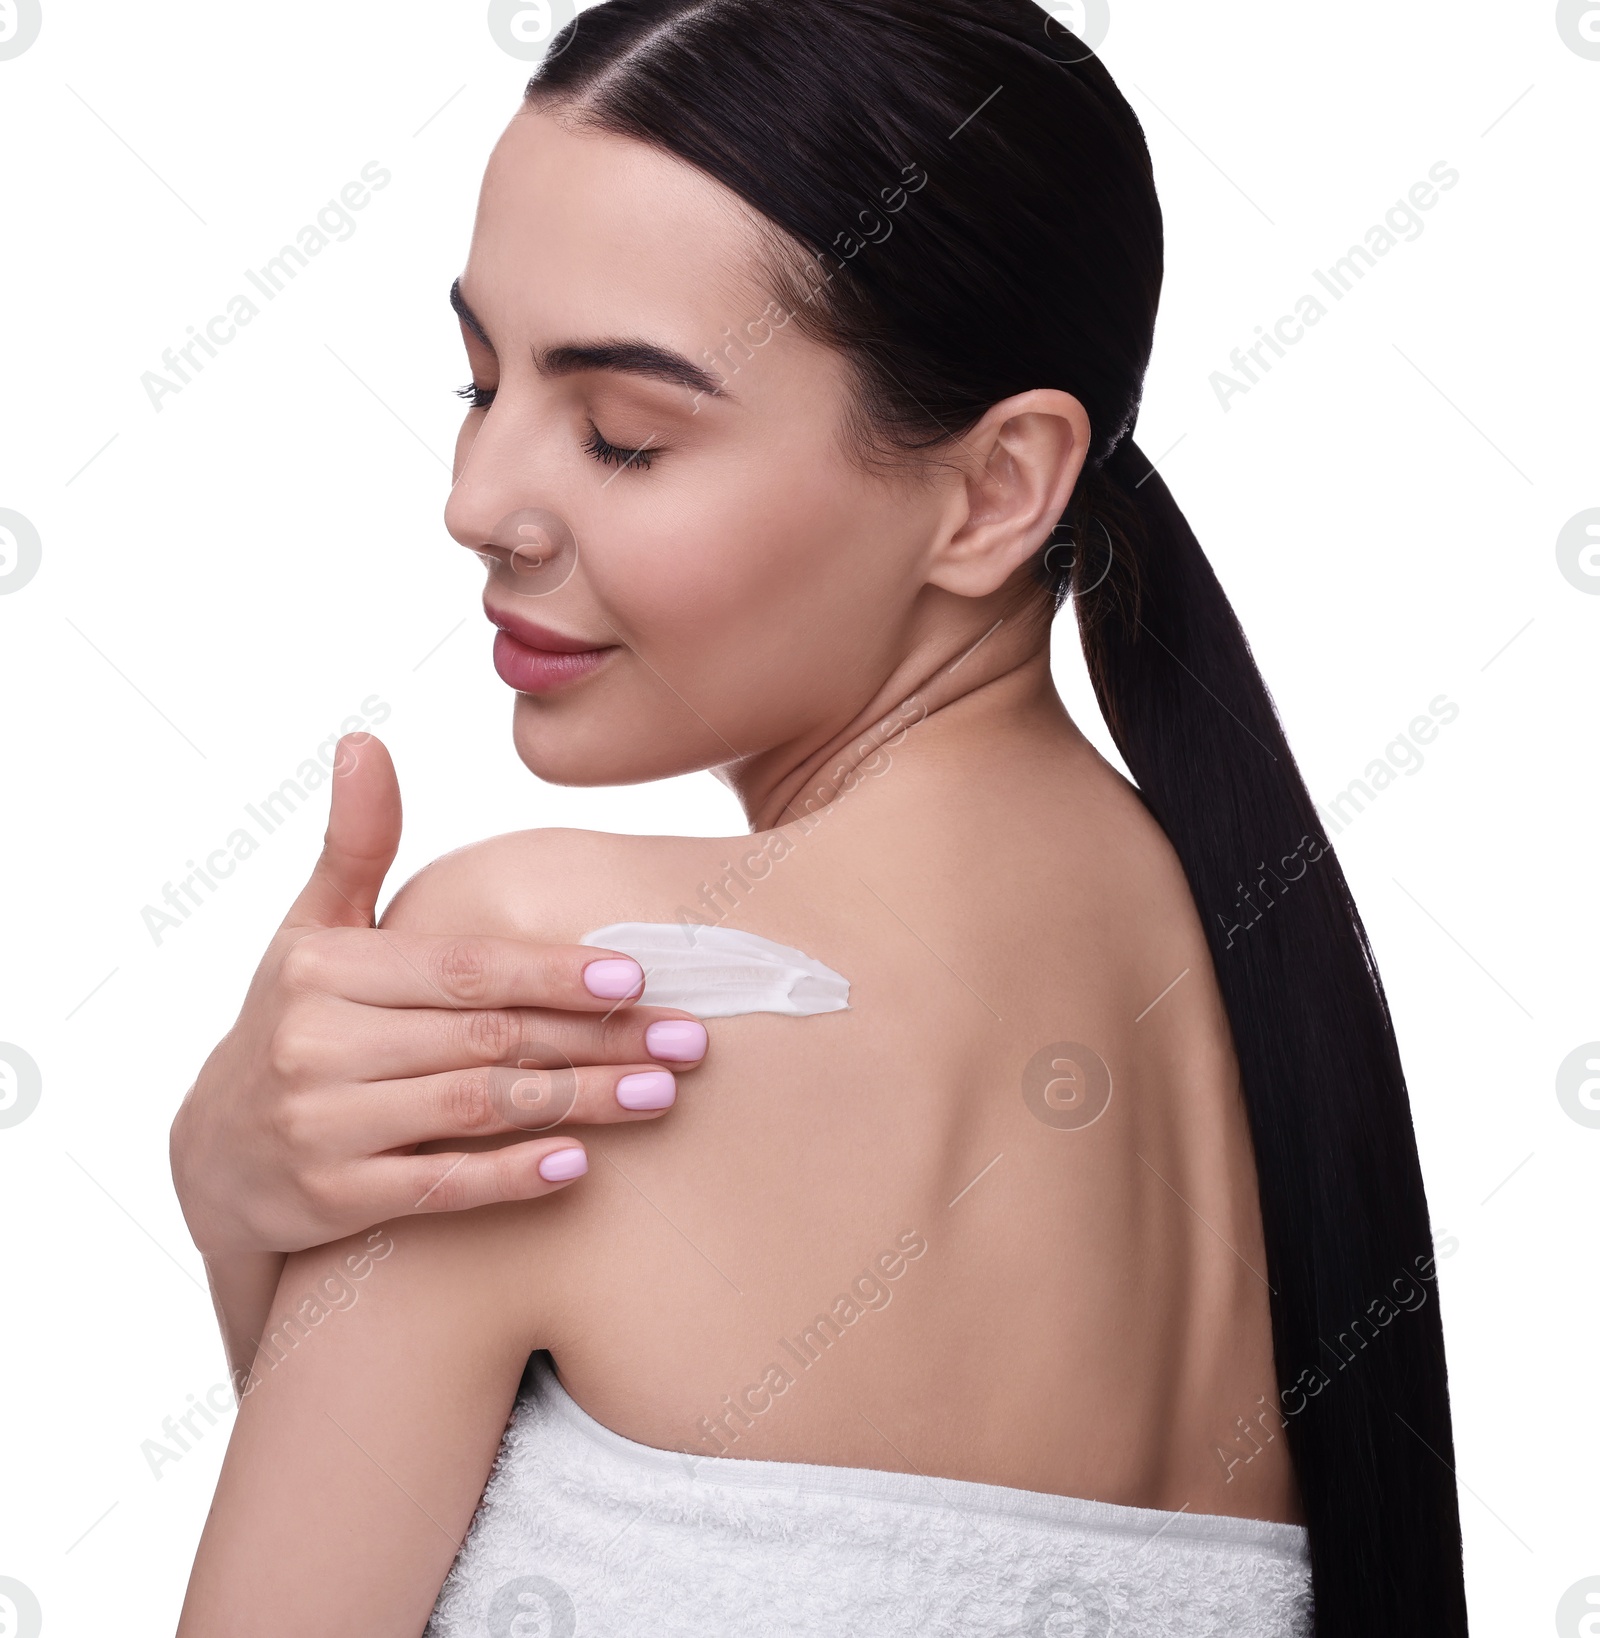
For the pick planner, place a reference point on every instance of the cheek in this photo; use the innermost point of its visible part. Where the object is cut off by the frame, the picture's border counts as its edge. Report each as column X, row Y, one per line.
column 748, row 575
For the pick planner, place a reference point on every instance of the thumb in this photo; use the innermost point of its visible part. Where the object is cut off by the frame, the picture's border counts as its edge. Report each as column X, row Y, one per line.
column 362, row 838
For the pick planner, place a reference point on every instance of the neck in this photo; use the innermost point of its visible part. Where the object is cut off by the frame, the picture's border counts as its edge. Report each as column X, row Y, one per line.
column 965, row 684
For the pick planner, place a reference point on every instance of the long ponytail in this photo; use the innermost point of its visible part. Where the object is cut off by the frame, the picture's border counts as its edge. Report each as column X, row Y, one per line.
column 1355, row 1316
column 972, row 212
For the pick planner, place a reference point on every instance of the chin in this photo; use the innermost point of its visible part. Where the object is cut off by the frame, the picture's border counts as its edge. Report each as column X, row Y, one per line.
column 588, row 751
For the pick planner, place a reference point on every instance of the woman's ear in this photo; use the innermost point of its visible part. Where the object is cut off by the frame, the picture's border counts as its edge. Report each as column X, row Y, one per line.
column 1019, row 465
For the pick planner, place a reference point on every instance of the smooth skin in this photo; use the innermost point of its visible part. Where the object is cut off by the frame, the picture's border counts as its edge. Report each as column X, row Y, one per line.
column 363, row 1059
column 862, row 656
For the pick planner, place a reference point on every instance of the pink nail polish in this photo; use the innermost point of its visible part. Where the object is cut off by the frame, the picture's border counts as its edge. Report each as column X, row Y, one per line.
column 563, row 1165
column 612, row 980
column 653, row 1089
column 679, row 1039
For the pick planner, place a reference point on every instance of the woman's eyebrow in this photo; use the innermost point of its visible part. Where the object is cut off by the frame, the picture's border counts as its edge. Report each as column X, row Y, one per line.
column 627, row 357
column 631, row 358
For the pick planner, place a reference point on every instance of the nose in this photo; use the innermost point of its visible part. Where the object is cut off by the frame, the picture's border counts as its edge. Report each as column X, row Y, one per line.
column 494, row 510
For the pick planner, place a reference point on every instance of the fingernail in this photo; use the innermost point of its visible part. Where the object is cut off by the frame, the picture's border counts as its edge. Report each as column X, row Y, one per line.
column 681, row 1039
column 611, row 980
column 563, row 1165
column 654, row 1089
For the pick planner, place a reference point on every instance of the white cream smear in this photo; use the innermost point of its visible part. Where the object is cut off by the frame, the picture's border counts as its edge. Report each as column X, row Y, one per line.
column 720, row 972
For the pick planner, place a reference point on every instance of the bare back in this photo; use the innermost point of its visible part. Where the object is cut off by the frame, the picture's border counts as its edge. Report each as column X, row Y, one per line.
column 999, row 1220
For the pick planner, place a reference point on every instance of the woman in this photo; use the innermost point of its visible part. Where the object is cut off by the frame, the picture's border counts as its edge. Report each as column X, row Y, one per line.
column 1067, row 1252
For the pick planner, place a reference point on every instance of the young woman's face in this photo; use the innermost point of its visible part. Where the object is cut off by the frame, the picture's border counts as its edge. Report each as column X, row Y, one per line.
column 733, row 583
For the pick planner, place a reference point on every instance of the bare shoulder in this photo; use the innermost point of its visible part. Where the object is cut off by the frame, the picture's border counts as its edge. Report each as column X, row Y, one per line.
column 551, row 884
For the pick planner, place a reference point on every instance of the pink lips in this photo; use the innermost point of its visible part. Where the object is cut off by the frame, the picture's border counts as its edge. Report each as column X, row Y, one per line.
column 534, row 660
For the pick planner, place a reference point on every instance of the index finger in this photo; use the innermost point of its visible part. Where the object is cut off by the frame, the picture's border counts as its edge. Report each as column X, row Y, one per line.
column 382, row 967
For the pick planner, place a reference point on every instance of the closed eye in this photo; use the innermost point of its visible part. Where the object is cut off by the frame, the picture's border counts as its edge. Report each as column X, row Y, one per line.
column 598, row 445
column 610, row 454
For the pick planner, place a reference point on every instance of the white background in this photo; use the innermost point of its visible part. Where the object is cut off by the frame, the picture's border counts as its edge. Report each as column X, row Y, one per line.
column 225, row 581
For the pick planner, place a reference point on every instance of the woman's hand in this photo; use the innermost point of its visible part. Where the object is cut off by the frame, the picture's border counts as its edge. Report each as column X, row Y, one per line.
column 357, row 1043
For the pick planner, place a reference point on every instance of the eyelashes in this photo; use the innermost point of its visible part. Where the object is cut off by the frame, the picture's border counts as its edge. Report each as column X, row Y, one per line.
column 610, row 454
column 597, row 444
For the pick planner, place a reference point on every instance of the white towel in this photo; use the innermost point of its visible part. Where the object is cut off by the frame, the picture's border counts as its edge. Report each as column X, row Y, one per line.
column 585, row 1534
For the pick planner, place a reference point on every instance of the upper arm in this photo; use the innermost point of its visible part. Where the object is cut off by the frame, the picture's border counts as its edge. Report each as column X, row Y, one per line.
column 389, row 1370
column 369, row 1428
